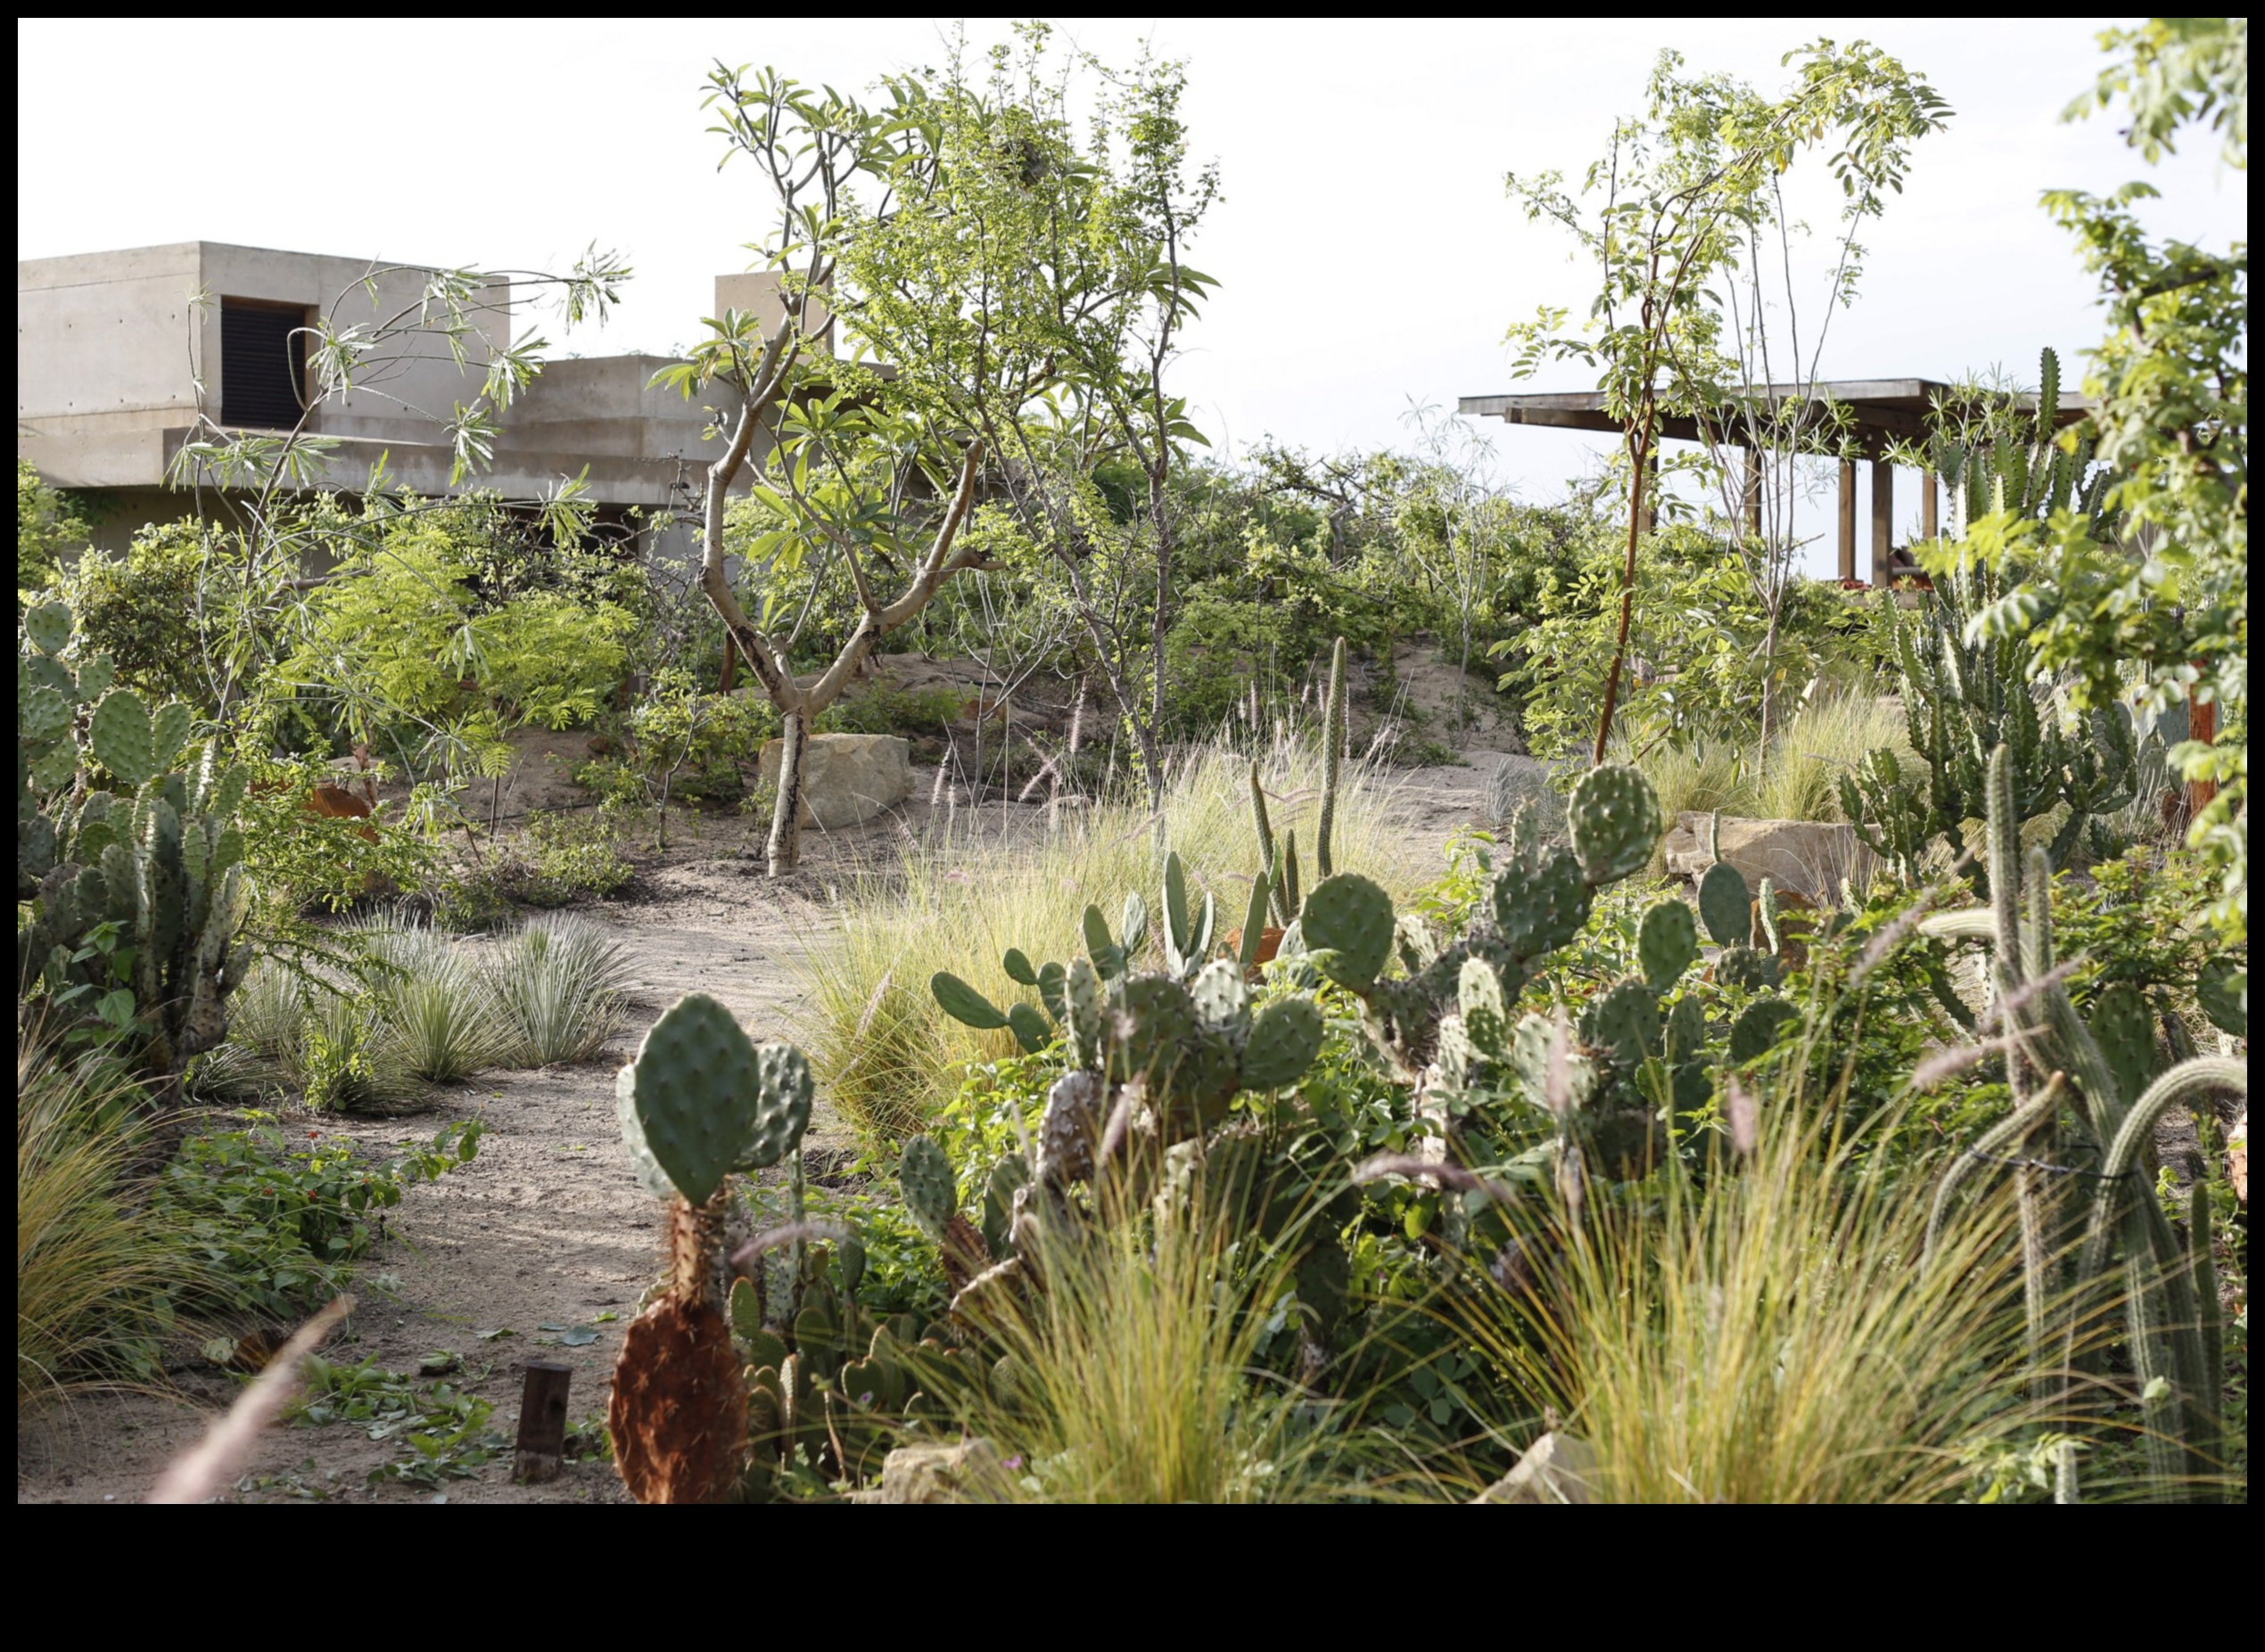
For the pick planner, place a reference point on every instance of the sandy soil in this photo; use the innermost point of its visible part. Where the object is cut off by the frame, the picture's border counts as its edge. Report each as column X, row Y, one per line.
column 546, row 1227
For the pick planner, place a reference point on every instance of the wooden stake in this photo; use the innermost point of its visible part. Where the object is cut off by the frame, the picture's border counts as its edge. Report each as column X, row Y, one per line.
column 542, row 1422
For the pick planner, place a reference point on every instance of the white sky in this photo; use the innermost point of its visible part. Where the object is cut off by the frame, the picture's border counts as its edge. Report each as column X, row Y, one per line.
column 1367, row 252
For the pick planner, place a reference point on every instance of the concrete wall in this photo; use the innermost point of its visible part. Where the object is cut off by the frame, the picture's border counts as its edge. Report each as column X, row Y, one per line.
column 110, row 348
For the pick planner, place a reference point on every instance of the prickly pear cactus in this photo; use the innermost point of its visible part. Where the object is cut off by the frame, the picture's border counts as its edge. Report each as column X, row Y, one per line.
column 1667, row 944
column 930, row 1190
column 693, row 1093
column 1285, row 1037
column 1348, row 927
column 1624, row 1019
column 1725, row 905
column 1615, row 820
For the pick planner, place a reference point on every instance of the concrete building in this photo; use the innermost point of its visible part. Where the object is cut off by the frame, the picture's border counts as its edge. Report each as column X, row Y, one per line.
column 118, row 354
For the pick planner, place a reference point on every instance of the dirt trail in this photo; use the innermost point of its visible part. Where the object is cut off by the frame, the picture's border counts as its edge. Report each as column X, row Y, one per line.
column 547, row 1226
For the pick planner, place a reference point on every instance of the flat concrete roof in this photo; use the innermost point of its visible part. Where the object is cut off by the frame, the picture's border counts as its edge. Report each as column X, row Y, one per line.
column 1882, row 410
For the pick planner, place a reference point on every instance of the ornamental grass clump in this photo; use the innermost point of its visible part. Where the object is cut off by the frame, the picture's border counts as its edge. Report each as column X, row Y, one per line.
column 431, row 1002
column 1768, row 1334
column 560, row 991
column 95, row 1275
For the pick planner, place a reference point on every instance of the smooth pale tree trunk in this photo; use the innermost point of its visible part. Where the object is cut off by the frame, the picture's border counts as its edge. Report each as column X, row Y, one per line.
column 784, row 852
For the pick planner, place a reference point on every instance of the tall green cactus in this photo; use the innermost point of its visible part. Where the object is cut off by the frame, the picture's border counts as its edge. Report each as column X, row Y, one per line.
column 162, row 864
column 2014, row 459
column 2114, row 1117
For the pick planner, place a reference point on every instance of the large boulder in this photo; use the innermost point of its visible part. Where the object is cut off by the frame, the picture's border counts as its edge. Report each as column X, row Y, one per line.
column 847, row 778
column 1811, row 856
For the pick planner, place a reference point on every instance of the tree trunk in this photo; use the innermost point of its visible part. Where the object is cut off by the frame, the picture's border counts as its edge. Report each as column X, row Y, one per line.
column 786, row 846
column 1640, row 451
column 1769, row 693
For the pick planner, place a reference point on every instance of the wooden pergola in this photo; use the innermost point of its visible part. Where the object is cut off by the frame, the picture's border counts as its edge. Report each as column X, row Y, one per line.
column 1882, row 412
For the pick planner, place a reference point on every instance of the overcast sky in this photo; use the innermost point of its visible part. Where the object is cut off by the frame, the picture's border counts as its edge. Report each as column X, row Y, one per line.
column 1367, row 252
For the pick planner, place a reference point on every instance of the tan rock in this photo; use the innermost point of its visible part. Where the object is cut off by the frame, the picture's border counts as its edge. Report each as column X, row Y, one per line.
column 958, row 1471
column 847, row 778
column 1557, row 1468
column 1811, row 856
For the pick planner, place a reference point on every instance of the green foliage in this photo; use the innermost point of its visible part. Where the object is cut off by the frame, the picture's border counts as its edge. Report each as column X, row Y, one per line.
column 95, row 1275
column 560, row 986
column 701, row 1101
column 135, row 903
column 1964, row 695
column 48, row 529
column 278, row 1225
column 147, row 608
column 437, row 1432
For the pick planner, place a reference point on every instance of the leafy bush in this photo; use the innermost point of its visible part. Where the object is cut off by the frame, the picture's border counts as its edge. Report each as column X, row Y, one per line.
column 277, row 1224
column 48, row 528
column 882, row 708
column 560, row 988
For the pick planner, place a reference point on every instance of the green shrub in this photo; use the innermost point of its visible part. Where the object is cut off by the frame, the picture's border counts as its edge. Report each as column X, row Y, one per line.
column 570, row 854
column 882, row 708
column 432, row 1006
column 48, row 529
column 278, row 1224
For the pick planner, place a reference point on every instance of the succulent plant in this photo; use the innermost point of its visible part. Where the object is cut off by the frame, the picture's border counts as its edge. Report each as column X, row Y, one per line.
column 930, row 1190
column 2111, row 1095
column 163, row 864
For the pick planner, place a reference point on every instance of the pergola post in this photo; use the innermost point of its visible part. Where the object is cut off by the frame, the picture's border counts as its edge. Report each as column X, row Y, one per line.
column 1930, row 505
column 1882, row 519
column 1847, row 519
column 1753, row 494
column 1648, row 519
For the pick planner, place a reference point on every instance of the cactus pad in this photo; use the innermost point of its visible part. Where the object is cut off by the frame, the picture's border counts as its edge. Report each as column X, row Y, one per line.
column 1156, row 1026
column 1746, row 969
column 1758, row 1027
column 1017, row 964
column 1667, row 943
column 1485, row 1013
column 1686, row 1028
column 1624, row 1019
column 49, row 627
column 2221, row 988
column 1614, row 819
column 1106, row 959
column 931, row 1191
column 1350, row 917
column 1082, row 1018
column 1540, row 908
column 692, row 1090
column 1031, row 1030
column 783, row 1090
column 963, row 1003
column 1223, row 1000
column 647, row 1169
column 121, row 738
column 1725, row 905
column 1285, row 1037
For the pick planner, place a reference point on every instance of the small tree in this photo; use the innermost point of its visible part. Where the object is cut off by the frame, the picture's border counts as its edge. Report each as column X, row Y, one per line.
column 1693, row 205
column 870, row 464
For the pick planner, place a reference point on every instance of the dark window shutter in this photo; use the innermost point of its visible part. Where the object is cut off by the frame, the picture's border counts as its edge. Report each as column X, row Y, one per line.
column 263, row 364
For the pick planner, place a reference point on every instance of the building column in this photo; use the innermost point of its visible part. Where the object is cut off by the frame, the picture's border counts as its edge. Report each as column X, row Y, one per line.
column 1753, row 494
column 1882, row 519
column 1847, row 519
column 1930, row 505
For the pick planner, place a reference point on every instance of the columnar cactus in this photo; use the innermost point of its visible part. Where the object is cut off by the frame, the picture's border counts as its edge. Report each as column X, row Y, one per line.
column 163, row 863
column 2117, row 1100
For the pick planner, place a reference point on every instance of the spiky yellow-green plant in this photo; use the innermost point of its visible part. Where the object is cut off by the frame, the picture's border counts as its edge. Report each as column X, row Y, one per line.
column 958, row 899
column 91, row 1273
column 1769, row 1335
column 1135, row 1380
